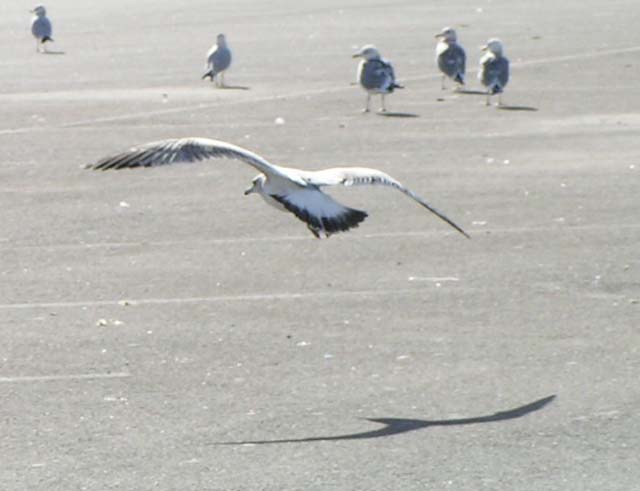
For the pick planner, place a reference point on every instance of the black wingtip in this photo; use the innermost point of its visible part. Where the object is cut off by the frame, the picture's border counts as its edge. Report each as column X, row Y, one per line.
column 103, row 165
column 208, row 74
column 456, row 226
column 46, row 38
column 323, row 227
column 459, row 229
column 459, row 78
column 444, row 218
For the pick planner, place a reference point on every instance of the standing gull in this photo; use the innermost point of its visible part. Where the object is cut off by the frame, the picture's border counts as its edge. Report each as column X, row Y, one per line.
column 375, row 75
column 494, row 70
column 285, row 188
column 218, row 60
column 450, row 56
column 41, row 27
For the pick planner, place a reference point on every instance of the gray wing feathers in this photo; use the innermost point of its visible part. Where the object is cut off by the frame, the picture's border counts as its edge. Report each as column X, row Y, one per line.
column 351, row 176
column 452, row 61
column 219, row 59
column 183, row 150
column 494, row 73
column 503, row 71
column 41, row 28
column 359, row 176
column 377, row 75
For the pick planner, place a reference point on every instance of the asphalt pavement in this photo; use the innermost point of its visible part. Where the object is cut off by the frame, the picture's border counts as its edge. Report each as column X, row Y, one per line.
column 162, row 331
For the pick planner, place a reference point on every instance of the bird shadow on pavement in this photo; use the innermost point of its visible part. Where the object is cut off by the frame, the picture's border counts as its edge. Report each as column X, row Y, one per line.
column 516, row 108
column 54, row 53
column 469, row 92
column 392, row 114
column 504, row 107
column 396, row 426
column 235, row 87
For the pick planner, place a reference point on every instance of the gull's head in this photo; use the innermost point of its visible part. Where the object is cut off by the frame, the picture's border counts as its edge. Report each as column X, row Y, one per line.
column 256, row 184
column 221, row 40
column 493, row 46
column 367, row 52
column 39, row 10
column 447, row 34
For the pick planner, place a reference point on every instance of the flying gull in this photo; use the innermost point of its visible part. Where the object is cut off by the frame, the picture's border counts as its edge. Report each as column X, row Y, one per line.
column 218, row 60
column 450, row 56
column 494, row 70
column 375, row 74
column 287, row 189
column 41, row 27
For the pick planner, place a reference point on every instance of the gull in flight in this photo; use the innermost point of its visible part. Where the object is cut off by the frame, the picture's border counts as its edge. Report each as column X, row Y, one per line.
column 494, row 70
column 450, row 56
column 375, row 75
column 285, row 188
column 218, row 60
column 41, row 27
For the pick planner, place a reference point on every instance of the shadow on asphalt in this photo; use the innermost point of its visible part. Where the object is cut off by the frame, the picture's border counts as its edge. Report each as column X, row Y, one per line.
column 469, row 92
column 395, row 426
column 234, row 87
column 391, row 114
column 517, row 108
column 505, row 107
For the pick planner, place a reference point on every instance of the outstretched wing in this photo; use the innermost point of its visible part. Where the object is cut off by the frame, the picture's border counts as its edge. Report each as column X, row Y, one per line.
column 357, row 176
column 179, row 150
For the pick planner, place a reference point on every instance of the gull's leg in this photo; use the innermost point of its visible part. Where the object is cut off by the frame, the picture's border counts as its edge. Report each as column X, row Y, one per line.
column 222, row 79
column 442, row 83
column 37, row 45
column 488, row 101
column 500, row 99
column 383, row 109
column 366, row 108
